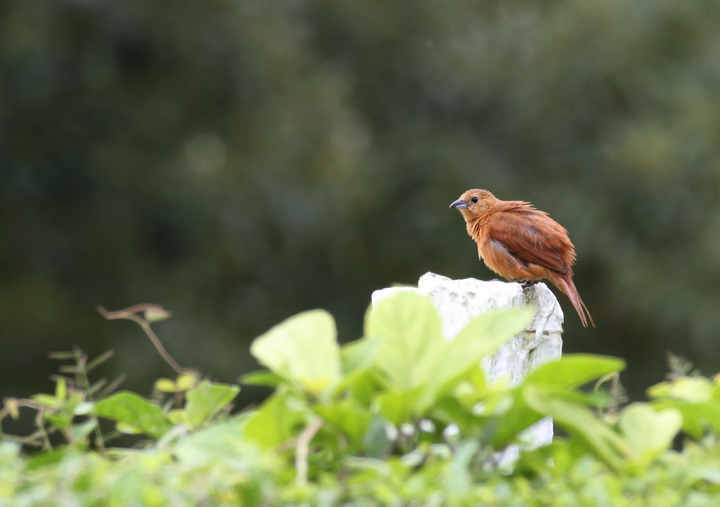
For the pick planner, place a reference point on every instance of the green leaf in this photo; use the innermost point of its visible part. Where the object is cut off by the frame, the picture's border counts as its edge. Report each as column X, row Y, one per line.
column 649, row 432
column 687, row 389
column 351, row 418
column 362, row 386
column 82, row 430
column 186, row 381
column 508, row 424
column 303, row 349
column 573, row 370
column 61, row 419
column 217, row 442
column 47, row 400
column 261, row 378
column 458, row 479
column 133, row 410
column 359, row 355
column 83, row 408
column 442, row 369
column 449, row 410
column 409, row 328
column 165, row 385
column 61, row 389
column 45, row 459
column 376, row 443
column 580, row 421
column 696, row 417
column 397, row 406
column 206, row 400
column 357, row 358
column 127, row 429
column 277, row 420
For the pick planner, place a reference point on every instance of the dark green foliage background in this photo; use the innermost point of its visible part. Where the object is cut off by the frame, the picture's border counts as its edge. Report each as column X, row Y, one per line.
column 241, row 161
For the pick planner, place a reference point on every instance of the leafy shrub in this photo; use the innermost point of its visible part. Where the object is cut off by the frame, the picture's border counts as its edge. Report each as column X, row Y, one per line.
column 399, row 417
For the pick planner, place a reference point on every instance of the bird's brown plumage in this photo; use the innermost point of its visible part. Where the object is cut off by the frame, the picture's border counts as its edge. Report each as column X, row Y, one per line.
column 519, row 242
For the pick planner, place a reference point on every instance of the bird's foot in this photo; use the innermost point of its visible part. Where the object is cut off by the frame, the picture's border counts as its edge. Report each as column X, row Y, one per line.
column 528, row 283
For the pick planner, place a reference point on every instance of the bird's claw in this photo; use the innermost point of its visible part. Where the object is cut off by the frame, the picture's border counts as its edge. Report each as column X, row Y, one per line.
column 529, row 283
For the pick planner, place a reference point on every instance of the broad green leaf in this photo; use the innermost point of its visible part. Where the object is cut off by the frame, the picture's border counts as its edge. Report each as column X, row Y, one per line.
column 454, row 360
column 261, row 378
column 61, row 419
column 397, row 406
column 362, row 386
column 303, row 349
column 649, row 432
column 580, row 421
column 216, row 442
column 376, row 443
column 45, row 459
column 277, row 420
column 508, row 425
column 573, row 370
column 82, row 430
column 127, row 429
column 133, row 410
column 206, row 400
column 357, row 358
column 348, row 416
column 458, row 479
column 687, row 389
column 409, row 328
column 709, row 413
column 696, row 417
column 710, row 474
column 359, row 355
column 449, row 410
column 176, row 416
column 83, row 408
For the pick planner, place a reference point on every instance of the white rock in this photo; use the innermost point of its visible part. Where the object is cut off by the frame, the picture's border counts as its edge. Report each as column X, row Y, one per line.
column 459, row 301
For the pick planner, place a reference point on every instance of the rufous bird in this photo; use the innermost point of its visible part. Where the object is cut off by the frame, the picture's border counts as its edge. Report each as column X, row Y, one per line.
column 521, row 243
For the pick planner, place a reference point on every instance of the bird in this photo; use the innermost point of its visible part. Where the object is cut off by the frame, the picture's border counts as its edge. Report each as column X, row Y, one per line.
column 521, row 243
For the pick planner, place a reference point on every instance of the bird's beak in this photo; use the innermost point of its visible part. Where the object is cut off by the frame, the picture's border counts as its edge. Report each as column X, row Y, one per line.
column 459, row 204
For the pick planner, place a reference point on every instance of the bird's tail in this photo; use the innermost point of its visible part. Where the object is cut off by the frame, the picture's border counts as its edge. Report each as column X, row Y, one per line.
column 565, row 284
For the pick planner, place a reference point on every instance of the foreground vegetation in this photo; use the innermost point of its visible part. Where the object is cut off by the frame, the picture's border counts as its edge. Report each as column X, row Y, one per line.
column 399, row 417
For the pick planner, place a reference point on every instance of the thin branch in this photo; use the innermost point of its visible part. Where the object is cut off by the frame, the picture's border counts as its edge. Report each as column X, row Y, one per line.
column 131, row 314
column 22, row 402
column 84, row 383
column 302, row 449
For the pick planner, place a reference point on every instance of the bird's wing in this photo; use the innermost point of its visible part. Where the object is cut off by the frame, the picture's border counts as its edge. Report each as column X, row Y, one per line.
column 534, row 237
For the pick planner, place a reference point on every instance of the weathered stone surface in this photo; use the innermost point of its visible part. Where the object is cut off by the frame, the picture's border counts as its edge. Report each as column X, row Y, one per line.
column 459, row 301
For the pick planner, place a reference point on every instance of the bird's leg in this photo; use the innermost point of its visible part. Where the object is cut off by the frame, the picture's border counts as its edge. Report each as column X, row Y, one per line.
column 529, row 283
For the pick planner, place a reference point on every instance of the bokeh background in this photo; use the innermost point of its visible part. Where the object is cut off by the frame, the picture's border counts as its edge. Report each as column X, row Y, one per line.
column 239, row 161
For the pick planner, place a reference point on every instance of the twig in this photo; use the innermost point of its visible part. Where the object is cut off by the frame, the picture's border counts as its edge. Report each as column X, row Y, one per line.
column 39, row 422
column 131, row 314
column 22, row 402
column 302, row 449
column 84, row 382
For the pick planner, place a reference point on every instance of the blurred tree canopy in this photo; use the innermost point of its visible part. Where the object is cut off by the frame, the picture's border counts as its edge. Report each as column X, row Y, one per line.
column 238, row 161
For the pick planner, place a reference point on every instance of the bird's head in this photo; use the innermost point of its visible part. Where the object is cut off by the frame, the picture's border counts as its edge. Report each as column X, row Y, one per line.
column 474, row 203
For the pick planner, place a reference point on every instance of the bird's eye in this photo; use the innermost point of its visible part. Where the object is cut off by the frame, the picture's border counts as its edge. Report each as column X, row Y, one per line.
column 474, row 199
